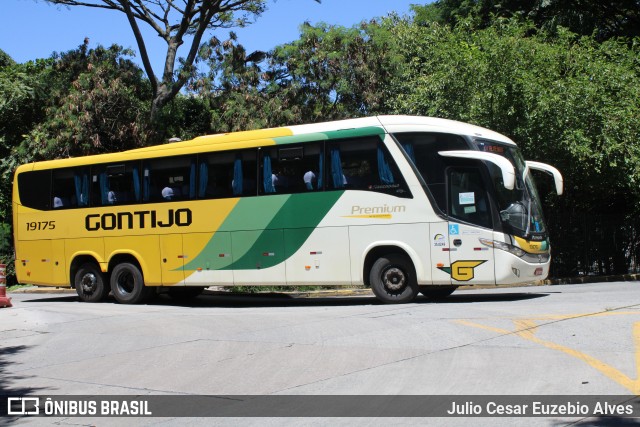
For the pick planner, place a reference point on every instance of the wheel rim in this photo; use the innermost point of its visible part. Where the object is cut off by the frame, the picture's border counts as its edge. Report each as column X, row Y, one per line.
column 394, row 279
column 125, row 282
column 89, row 282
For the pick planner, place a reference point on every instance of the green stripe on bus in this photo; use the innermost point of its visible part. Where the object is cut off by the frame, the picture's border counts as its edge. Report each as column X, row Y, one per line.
column 338, row 134
column 262, row 245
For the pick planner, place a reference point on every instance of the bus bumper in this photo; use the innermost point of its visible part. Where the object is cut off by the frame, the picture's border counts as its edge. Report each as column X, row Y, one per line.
column 511, row 269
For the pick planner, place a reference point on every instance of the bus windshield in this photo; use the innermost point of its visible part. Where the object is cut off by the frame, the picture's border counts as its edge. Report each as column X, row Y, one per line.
column 520, row 209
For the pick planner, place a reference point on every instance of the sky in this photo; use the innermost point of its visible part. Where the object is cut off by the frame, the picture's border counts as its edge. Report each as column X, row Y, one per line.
column 31, row 29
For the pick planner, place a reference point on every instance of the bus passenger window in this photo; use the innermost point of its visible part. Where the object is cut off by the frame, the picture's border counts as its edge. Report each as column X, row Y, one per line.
column 422, row 150
column 226, row 174
column 64, row 189
column 169, row 179
column 364, row 164
column 34, row 189
column 291, row 169
column 115, row 184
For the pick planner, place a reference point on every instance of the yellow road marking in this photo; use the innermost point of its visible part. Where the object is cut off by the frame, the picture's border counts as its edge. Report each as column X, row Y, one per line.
column 527, row 329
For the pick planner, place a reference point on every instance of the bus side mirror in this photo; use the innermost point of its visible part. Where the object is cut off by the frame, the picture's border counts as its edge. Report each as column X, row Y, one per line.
column 557, row 176
column 508, row 172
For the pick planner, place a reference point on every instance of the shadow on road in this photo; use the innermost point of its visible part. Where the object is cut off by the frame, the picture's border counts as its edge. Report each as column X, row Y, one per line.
column 223, row 299
column 605, row 422
column 467, row 297
column 9, row 381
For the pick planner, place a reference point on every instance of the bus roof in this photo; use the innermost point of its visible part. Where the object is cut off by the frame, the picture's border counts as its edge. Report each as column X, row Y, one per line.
column 284, row 135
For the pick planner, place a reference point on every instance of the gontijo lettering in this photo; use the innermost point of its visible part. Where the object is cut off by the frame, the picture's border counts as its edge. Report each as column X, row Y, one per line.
column 139, row 219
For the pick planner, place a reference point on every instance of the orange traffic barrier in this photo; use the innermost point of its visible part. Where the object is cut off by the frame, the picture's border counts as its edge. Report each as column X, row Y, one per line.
column 4, row 300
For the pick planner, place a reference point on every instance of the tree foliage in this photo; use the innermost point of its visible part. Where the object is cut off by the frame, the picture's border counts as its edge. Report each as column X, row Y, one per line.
column 94, row 103
column 176, row 22
column 567, row 100
column 601, row 19
column 329, row 73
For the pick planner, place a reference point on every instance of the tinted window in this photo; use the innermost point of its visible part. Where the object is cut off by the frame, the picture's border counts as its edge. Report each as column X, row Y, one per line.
column 70, row 188
column 227, row 174
column 468, row 199
column 291, row 169
column 115, row 184
column 363, row 164
column 35, row 189
column 422, row 149
column 169, row 179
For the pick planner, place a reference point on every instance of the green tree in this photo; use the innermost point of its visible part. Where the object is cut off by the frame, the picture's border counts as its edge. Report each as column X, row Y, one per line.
column 602, row 19
column 565, row 100
column 329, row 73
column 96, row 101
column 176, row 22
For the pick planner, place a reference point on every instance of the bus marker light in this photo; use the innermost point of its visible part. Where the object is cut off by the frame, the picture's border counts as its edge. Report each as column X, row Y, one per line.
column 439, row 265
column 199, row 269
column 538, row 271
column 307, row 267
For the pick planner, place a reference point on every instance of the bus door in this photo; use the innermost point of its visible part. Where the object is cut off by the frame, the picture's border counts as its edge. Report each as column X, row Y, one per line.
column 469, row 207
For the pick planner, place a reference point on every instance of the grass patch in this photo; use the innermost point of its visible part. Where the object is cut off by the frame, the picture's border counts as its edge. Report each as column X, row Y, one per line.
column 16, row 287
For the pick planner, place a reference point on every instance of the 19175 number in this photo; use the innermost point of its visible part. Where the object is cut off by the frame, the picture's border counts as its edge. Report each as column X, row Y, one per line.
column 41, row 225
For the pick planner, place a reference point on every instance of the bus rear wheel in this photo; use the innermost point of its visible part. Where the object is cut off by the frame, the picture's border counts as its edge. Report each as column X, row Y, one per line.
column 90, row 283
column 393, row 279
column 437, row 292
column 127, row 284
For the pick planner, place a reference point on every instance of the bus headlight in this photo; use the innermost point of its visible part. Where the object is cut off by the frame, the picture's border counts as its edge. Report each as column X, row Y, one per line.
column 503, row 246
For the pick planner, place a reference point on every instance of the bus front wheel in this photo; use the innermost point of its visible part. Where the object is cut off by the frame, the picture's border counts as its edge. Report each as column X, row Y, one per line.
column 127, row 284
column 90, row 284
column 393, row 279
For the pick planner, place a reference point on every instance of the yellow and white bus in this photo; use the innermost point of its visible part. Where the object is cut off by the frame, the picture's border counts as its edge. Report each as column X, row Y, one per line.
column 398, row 203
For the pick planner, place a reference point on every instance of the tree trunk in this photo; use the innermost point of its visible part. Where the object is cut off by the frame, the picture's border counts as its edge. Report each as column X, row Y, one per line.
column 161, row 98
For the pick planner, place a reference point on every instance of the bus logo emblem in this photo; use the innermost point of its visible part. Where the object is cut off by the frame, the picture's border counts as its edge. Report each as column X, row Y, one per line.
column 462, row 271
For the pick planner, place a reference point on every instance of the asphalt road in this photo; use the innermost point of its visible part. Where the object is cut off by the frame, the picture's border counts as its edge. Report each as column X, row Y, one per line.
column 545, row 340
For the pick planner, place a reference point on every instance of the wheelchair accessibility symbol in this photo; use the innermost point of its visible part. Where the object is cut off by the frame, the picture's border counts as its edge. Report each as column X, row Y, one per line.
column 454, row 229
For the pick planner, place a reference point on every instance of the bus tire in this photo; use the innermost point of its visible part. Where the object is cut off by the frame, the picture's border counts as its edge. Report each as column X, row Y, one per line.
column 437, row 292
column 393, row 279
column 127, row 284
column 90, row 283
